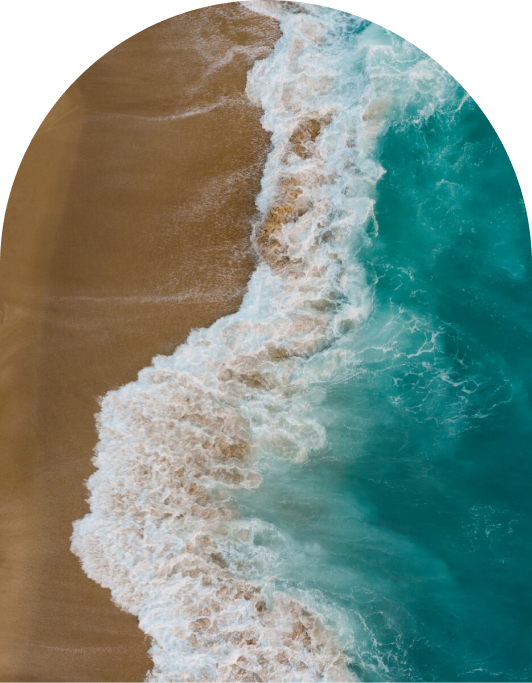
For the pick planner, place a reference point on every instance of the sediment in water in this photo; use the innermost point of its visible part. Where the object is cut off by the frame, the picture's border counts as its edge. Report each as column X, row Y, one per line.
column 176, row 445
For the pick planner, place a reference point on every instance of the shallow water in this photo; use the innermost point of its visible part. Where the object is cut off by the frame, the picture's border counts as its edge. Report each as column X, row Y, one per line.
column 416, row 517
column 338, row 474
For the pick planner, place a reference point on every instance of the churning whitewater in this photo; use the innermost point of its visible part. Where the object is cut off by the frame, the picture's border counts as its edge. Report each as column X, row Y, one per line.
column 197, row 426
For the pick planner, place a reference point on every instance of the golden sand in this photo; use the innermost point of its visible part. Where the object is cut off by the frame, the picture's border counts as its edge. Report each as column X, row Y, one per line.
column 127, row 226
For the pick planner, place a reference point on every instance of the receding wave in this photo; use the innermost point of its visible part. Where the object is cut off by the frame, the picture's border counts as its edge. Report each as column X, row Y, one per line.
column 163, row 532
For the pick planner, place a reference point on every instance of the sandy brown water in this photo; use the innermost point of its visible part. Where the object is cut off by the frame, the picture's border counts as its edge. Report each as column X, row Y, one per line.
column 127, row 226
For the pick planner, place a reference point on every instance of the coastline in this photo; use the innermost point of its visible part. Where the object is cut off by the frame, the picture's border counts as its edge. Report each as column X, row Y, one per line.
column 177, row 445
column 133, row 205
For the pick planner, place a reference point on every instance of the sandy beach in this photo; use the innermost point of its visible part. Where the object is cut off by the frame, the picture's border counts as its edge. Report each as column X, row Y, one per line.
column 127, row 226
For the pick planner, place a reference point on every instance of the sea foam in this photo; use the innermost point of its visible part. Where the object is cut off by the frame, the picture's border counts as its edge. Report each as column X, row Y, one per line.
column 174, row 446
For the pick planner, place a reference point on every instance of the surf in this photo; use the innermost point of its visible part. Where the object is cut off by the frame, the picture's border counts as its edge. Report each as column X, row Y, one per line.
column 196, row 428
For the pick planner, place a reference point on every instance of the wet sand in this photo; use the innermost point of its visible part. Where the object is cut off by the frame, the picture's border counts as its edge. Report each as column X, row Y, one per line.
column 127, row 226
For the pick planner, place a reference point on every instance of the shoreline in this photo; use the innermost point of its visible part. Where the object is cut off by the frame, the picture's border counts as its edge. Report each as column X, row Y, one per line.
column 100, row 296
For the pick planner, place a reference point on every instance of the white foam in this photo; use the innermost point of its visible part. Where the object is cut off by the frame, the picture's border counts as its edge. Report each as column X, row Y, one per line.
column 173, row 445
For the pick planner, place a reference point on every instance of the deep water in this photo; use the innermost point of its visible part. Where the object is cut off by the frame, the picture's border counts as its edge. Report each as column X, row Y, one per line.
column 416, row 520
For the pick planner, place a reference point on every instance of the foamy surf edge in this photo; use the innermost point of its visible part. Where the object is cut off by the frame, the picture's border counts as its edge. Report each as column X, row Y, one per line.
column 194, row 427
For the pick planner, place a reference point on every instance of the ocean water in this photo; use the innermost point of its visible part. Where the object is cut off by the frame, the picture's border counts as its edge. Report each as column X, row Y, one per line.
column 334, row 482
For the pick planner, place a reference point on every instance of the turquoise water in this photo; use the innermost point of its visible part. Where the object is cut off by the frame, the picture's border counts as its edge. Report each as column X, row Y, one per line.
column 416, row 519
column 338, row 474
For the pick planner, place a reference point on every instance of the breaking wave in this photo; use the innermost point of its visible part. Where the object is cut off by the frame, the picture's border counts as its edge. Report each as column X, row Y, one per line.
column 175, row 445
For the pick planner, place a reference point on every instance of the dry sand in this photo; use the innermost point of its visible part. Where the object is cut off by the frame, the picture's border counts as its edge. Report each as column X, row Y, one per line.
column 128, row 225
